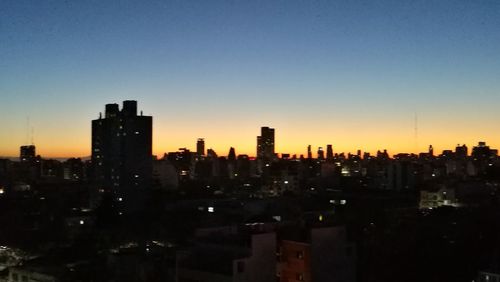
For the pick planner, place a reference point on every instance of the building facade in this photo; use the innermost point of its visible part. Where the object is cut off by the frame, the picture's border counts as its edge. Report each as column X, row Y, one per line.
column 122, row 154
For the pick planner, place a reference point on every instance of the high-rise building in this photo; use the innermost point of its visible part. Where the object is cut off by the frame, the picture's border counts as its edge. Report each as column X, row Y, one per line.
column 122, row 154
column 265, row 143
column 200, row 147
column 309, row 152
column 329, row 152
column 321, row 153
column 461, row 151
column 232, row 154
column 27, row 153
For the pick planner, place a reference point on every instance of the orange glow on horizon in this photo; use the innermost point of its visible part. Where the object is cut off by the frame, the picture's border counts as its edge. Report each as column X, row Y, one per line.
column 292, row 137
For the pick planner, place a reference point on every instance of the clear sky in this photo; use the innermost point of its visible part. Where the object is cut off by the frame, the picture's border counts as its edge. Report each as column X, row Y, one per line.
column 348, row 73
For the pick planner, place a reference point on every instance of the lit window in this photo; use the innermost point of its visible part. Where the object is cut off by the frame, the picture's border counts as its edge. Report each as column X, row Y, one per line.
column 82, row 222
column 211, row 209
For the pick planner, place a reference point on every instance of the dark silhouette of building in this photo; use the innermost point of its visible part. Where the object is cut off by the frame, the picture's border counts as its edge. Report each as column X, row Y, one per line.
column 461, row 151
column 329, row 152
column 321, row 153
column 200, row 147
column 309, row 152
column 232, row 154
column 122, row 154
column 265, row 143
column 27, row 153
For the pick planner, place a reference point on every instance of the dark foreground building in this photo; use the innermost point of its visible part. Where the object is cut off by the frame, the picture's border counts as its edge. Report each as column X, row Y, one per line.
column 122, row 155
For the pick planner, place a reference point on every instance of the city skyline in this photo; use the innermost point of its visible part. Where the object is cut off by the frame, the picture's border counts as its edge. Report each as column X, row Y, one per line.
column 349, row 73
column 267, row 136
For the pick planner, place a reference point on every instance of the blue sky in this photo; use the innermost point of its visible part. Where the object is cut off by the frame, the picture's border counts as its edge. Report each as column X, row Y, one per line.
column 318, row 71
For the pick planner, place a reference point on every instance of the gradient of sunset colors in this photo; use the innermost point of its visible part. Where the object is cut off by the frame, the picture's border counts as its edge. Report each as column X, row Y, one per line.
column 348, row 73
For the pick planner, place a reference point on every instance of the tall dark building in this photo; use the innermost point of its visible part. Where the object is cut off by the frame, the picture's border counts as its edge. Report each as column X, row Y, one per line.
column 461, row 151
column 309, row 152
column 122, row 154
column 321, row 153
column 200, row 147
column 265, row 143
column 232, row 154
column 329, row 152
column 27, row 153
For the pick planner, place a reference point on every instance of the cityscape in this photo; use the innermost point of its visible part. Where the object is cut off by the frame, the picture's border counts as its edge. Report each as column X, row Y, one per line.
column 193, row 215
column 249, row 141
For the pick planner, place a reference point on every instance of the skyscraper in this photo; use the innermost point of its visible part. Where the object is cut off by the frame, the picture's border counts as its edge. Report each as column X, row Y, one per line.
column 200, row 147
column 27, row 153
column 232, row 154
column 329, row 152
column 265, row 143
column 321, row 153
column 122, row 154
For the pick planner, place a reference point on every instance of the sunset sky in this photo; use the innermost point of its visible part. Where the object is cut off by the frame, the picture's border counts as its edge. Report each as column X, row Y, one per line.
column 349, row 73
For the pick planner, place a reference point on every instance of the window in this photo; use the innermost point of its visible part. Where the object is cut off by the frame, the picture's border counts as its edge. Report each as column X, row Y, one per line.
column 300, row 277
column 300, row 254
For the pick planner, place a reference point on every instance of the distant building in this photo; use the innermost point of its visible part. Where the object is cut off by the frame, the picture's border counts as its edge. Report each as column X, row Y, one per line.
column 437, row 198
column 321, row 153
column 200, row 147
column 321, row 255
column 461, row 151
column 265, row 144
column 221, row 257
column 122, row 154
column 232, row 154
column 329, row 152
column 486, row 276
column 28, row 153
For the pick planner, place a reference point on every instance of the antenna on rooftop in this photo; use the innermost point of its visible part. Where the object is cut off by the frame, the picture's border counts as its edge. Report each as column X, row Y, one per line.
column 27, row 130
column 32, row 135
column 416, row 132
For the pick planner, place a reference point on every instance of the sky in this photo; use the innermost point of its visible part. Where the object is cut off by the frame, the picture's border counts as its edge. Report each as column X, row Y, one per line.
column 354, row 74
